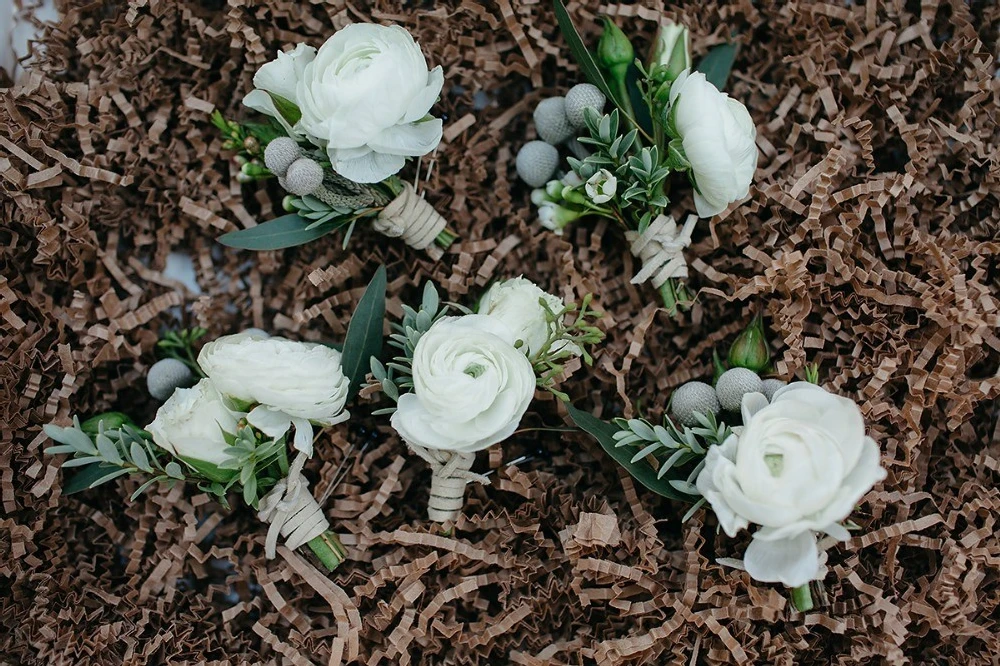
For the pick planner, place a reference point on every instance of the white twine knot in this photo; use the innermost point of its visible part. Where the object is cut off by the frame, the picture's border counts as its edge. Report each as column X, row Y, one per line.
column 450, row 473
column 661, row 249
column 292, row 511
column 409, row 216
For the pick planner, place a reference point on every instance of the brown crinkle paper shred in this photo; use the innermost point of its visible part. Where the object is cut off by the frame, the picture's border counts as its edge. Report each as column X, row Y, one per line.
column 870, row 239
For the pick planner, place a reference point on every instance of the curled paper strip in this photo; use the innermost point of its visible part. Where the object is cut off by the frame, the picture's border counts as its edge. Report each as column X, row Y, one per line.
column 292, row 511
column 661, row 249
column 450, row 473
column 411, row 218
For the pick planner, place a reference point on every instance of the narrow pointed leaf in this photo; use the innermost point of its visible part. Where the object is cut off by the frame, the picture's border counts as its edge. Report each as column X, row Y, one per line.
column 285, row 231
column 91, row 476
column 579, row 50
column 717, row 64
column 364, row 333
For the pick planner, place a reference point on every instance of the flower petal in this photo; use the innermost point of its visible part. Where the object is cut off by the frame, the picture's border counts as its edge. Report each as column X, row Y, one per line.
column 793, row 561
column 271, row 422
column 410, row 140
column 303, row 436
column 370, row 168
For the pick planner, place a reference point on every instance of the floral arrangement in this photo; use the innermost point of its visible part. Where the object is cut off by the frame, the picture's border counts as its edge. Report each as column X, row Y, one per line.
column 461, row 382
column 666, row 118
column 228, row 416
column 792, row 459
column 342, row 120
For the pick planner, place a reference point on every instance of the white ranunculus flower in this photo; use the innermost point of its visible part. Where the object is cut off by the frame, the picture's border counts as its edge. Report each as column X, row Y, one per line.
column 516, row 303
column 280, row 77
column 719, row 141
column 191, row 422
column 798, row 466
column 292, row 383
column 366, row 97
column 601, row 187
column 470, row 386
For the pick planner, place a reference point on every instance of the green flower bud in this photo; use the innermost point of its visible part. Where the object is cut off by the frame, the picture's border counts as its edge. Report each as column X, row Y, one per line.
column 286, row 204
column 671, row 52
column 750, row 349
column 614, row 50
column 111, row 421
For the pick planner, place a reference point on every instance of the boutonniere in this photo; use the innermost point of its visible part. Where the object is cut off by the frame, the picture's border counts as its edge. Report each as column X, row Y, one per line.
column 342, row 120
column 240, row 415
column 665, row 118
column 790, row 461
column 463, row 379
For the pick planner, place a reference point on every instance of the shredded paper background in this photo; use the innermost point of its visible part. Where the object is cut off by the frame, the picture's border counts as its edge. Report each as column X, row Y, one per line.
column 870, row 240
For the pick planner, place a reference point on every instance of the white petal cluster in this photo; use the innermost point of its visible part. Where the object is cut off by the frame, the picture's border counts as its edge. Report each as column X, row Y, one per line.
column 797, row 467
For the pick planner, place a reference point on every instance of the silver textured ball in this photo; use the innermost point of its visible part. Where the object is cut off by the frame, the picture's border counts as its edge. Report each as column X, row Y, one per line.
column 583, row 96
column 693, row 397
column 551, row 122
column 303, row 176
column 166, row 376
column 537, row 162
column 769, row 386
column 280, row 153
column 734, row 384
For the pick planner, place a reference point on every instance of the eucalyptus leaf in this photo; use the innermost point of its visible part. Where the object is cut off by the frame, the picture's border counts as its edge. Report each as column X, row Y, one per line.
column 641, row 471
column 139, row 457
column 364, row 333
column 277, row 234
column 91, row 476
column 287, row 108
column 717, row 64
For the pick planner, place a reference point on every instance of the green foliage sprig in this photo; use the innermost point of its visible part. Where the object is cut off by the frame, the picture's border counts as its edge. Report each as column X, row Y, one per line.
column 180, row 345
column 565, row 341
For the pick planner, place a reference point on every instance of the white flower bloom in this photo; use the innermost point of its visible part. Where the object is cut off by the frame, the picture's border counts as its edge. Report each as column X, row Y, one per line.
column 601, row 187
column 798, row 466
column 191, row 422
column 516, row 303
column 719, row 141
column 366, row 98
column 555, row 218
column 292, row 383
column 470, row 386
column 280, row 77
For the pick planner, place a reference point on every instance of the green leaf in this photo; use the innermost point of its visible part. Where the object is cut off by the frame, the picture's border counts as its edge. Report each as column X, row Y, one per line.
column 579, row 50
column 288, row 109
column 139, row 457
column 277, row 234
column 364, row 333
column 717, row 63
column 91, row 476
column 641, row 471
column 209, row 470
column 111, row 421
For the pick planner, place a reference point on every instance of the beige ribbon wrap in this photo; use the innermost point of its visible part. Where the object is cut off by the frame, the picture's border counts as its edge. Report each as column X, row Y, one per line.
column 450, row 473
column 409, row 216
column 292, row 511
column 661, row 249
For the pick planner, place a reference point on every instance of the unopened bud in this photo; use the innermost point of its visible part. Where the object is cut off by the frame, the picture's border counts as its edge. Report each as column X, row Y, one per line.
column 750, row 348
column 671, row 52
column 614, row 50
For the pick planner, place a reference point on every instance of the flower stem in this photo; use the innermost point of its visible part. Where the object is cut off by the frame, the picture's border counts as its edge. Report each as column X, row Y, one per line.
column 802, row 598
column 446, row 238
column 328, row 549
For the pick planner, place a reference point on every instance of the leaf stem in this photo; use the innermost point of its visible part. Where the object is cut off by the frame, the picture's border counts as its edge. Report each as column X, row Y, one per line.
column 802, row 598
column 328, row 548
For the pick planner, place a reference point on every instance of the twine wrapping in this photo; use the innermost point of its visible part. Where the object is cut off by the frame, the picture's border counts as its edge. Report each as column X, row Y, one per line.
column 450, row 473
column 411, row 218
column 292, row 511
column 661, row 249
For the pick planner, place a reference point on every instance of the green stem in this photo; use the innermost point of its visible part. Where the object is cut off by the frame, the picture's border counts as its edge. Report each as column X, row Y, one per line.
column 446, row 238
column 669, row 297
column 802, row 598
column 283, row 461
column 328, row 549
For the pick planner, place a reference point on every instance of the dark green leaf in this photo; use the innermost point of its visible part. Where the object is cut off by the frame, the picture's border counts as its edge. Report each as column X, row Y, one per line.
column 288, row 109
column 364, row 333
column 111, row 421
column 717, row 63
column 209, row 471
column 641, row 471
column 579, row 50
column 90, row 476
column 285, row 231
column 639, row 106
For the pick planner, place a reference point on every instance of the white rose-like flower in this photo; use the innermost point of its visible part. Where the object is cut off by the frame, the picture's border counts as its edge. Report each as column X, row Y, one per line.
column 365, row 97
column 516, row 303
column 601, row 187
column 470, row 386
column 719, row 141
column 191, row 422
column 280, row 77
column 292, row 383
column 798, row 466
